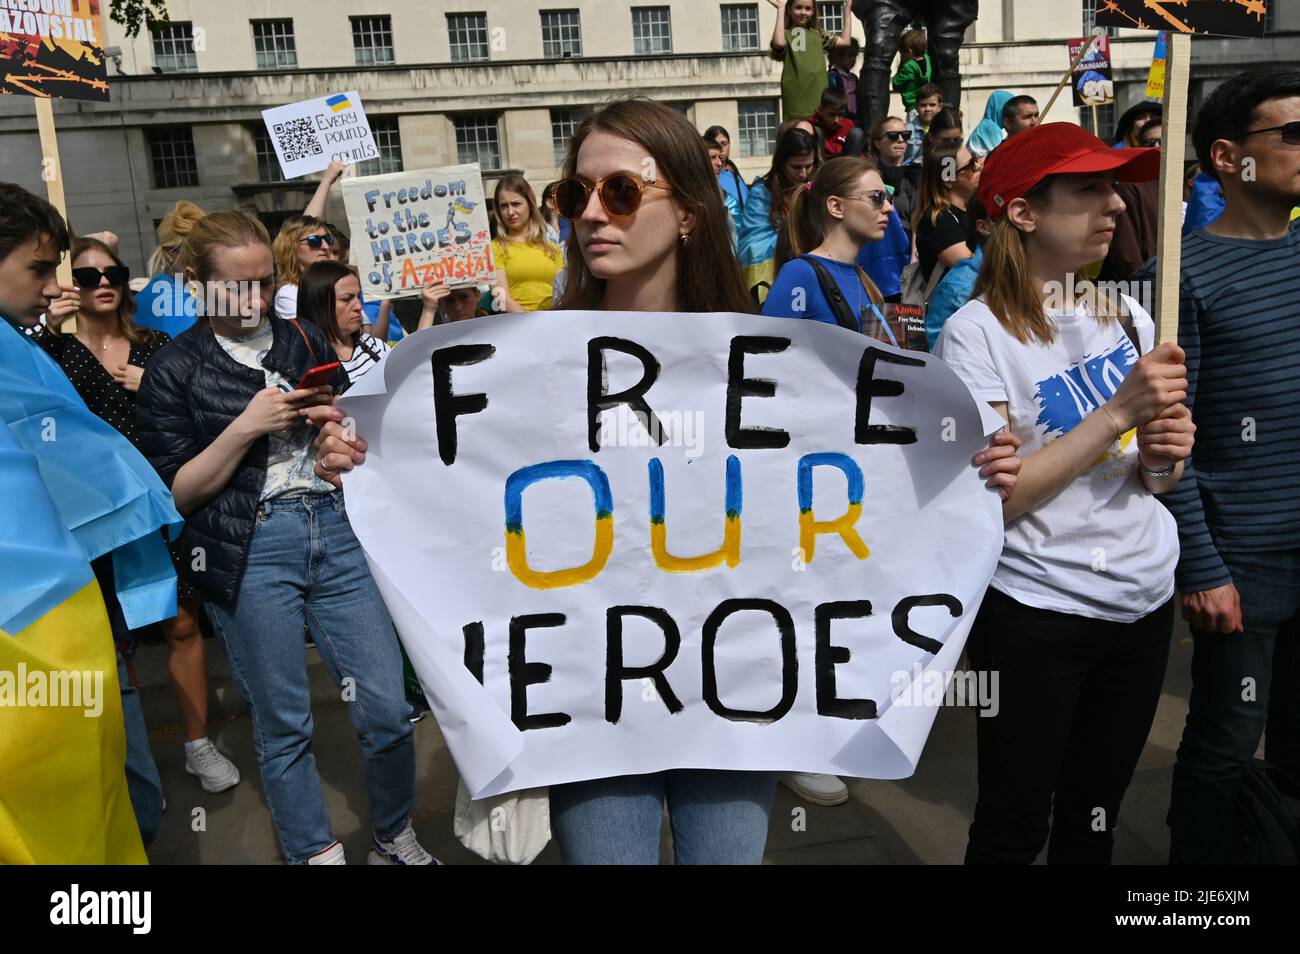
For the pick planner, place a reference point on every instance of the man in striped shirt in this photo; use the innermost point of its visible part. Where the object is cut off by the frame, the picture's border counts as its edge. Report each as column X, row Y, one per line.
column 1238, row 504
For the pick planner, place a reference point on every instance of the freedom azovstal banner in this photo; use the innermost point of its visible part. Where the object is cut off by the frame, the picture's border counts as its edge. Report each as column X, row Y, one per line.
column 623, row 543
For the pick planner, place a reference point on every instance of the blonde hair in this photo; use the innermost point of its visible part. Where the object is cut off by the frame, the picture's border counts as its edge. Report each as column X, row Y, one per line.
column 172, row 230
column 288, row 267
column 809, row 219
column 534, row 229
column 1008, row 289
column 125, row 308
column 229, row 229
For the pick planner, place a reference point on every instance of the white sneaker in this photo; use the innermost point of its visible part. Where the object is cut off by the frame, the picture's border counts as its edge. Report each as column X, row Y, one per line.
column 818, row 789
column 402, row 850
column 333, row 855
column 215, row 772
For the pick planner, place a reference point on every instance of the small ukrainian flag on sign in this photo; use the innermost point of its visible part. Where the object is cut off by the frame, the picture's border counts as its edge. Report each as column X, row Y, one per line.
column 339, row 103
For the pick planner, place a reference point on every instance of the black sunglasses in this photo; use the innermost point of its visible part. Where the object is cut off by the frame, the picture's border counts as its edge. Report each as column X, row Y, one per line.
column 316, row 241
column 620, row 194
column 898, row 135
column 1290, row 132
column 86, row 277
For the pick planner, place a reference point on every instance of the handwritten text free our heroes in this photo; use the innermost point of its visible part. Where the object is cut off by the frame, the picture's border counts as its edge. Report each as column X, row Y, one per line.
column 828, row 536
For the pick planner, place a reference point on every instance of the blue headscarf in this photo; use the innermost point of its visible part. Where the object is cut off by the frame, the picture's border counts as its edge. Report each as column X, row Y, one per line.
column 990, row 132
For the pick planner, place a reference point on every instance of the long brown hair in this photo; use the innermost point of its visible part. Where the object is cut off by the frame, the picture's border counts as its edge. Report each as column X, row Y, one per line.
column 125, row 307
column 790, row 142
column 938, row 175
column 814, row 22
column 809, row 218
column 708, row 274
column 1009, row 290
column 288, row 267
column 535, row 229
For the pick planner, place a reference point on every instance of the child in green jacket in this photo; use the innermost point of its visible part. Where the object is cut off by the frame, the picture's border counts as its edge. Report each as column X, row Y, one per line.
column 914, row 70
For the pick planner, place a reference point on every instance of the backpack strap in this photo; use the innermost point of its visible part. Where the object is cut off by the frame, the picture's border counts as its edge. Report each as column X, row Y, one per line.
column 844, row 316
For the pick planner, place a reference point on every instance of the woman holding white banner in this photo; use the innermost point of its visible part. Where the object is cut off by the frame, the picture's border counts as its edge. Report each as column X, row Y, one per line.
column 1077, row 621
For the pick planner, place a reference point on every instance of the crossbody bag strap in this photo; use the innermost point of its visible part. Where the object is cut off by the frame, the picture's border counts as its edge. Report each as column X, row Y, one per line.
column 844, row 316
column 305, row 340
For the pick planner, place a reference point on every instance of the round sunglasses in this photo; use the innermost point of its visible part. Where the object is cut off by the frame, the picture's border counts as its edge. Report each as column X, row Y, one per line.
column 620, row 194
column 86, row 277
column 314, row 242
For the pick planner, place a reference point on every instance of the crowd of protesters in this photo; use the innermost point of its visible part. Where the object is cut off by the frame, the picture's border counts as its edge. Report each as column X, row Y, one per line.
column 973, row 234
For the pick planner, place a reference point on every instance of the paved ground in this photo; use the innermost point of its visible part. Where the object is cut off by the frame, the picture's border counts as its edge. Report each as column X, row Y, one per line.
column 921, row 820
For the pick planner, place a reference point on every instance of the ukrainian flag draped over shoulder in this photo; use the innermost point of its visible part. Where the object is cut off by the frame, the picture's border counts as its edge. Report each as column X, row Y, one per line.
column 105, row 492
column 63, row 795
column 757, row 237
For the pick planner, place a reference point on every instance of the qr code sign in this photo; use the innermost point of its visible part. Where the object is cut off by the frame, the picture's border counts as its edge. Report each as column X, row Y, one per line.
column 297, row 139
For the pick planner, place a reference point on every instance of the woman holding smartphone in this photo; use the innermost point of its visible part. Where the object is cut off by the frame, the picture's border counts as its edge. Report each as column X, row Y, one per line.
column 1079, row 615
column 221, row 419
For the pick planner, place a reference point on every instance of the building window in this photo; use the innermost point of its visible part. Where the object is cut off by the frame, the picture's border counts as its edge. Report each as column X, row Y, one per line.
column 171, row 150
column 389, row 141
column 478, row 140
column 830, row 16
column 274, row 44
column 268, row 164
column 739, row 27
column 372, row 40
column 561, row 34
column 652, row 30
column 1090, row 18
column 757, row 127
column 564, row 123
column 468, row 35
column 173, row 48
column 1105, row 120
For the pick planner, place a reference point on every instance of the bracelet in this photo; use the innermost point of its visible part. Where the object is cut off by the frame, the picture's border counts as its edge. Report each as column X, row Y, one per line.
column 1118, row 431
column 1157, row 474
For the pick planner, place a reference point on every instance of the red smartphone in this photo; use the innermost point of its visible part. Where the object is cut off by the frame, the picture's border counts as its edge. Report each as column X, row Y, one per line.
column 319, row 376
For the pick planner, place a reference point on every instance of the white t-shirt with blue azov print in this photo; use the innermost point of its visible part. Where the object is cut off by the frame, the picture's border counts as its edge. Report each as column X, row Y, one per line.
column 1103, row 547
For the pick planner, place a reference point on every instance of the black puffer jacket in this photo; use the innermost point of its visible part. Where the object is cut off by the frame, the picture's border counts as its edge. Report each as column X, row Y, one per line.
column 191, row 391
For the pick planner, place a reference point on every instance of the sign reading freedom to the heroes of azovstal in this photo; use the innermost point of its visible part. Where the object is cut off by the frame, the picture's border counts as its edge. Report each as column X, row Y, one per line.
column 53, row 48
column 409, row 227
column 624, row 543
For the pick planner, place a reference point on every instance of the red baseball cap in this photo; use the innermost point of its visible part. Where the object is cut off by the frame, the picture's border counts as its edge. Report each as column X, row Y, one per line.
column 1027, row 158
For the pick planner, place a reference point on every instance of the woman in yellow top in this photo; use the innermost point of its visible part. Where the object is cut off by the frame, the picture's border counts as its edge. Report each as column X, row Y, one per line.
column 529, row 261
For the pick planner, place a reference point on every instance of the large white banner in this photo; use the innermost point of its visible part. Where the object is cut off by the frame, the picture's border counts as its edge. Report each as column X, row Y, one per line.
column 623, row 543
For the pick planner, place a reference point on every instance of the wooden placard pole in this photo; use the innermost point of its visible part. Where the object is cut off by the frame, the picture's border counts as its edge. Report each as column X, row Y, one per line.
column 52, row 173
column 1169, row 246
column 1069, row 74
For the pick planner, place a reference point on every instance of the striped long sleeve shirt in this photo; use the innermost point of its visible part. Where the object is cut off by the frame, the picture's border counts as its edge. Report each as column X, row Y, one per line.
column 1239, row 323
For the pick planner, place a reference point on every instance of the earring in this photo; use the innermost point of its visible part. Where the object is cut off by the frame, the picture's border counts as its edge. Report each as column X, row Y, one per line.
column 683, row 237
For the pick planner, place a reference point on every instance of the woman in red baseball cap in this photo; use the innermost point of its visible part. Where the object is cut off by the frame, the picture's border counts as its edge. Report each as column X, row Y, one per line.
column 1077, row 621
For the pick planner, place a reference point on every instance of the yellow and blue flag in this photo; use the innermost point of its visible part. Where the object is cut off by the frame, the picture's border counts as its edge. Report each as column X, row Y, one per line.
column 756, row 240
column 339, row 103
column 73, row 489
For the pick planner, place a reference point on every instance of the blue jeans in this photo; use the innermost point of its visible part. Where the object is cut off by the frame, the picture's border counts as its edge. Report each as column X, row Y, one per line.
column 718, row 817
column 1226, row 714
column 304, row 564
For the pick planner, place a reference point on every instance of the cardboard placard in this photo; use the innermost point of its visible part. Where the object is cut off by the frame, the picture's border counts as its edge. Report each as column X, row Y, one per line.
column 1092, row 83
column 309, row 135
column 1218, row 17
column 57, row 54
column 408, row 227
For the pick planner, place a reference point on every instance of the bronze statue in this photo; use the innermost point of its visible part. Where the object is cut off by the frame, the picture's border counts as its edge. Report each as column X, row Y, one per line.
column 883, row 22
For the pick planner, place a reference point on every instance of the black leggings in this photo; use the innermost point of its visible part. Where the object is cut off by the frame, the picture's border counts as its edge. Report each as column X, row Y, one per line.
column 1076, row 697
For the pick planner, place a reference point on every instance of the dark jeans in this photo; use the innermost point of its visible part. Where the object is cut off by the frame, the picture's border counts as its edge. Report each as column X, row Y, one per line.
column 1244, row 685
column 1076, row 700
column 143, row 783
